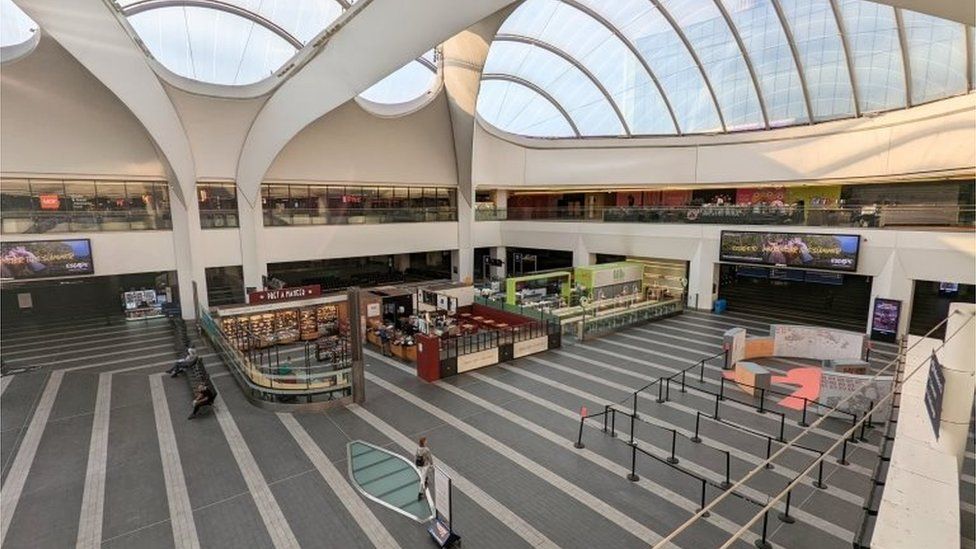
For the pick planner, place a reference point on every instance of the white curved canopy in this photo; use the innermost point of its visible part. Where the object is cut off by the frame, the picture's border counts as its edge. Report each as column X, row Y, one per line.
column 671, row 67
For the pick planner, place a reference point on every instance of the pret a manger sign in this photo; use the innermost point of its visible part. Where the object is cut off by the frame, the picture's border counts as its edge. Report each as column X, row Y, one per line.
column 284, row 294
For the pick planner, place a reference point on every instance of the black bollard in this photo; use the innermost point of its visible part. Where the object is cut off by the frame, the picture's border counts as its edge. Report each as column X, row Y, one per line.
column 579, row 438
column 613, row 422
column 721, row 388
column 843, row 455
column 762, row 401
column 706, row 513
column 715, row 415
column 696, row 438
column 769, row 450
column 667, row 389
column 803, row 420
column 635, row 403
column 633, row 464
column 761, row 543
column 853, row 438
column 819, row 482
column 660, row 392
column 674, row 440
column 728, row 471
column 782, row 427
column 785, row 515
column 606, row 412
column 682, row 381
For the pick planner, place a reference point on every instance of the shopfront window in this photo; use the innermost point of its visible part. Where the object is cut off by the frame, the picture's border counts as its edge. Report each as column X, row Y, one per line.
column 345, row 204
column 58, row 206
column 218, row 205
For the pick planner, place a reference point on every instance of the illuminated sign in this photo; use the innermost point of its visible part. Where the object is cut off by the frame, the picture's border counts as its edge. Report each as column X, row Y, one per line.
column 837, row 252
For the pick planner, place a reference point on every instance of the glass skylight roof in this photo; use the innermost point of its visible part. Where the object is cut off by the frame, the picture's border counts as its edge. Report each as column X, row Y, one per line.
column 581, row 68
column 409, row 82
column 15, row 26
column 228, row 42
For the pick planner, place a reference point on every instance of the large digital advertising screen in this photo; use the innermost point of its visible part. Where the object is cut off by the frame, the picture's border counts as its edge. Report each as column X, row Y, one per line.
column 46, row 259
column 836, row 252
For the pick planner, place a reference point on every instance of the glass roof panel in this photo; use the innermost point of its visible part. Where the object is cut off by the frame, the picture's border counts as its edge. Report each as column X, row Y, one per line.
column 575, row 92
column 766, row 45
column 822, row 56
column 520, row 110
column 879, row 72
column 719, row 64
column 709, row 34
column 659, row 45
column 407, row 83
column 936, row 56
column 15, row 26
column 210, row 45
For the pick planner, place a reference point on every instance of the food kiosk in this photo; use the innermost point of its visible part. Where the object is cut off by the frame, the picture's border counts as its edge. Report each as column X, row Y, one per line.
column 542, row 290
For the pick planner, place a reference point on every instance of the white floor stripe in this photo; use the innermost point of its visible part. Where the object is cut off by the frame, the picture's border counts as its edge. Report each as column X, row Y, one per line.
column 597, row 505
column 17, row 476
column 4, row 383
column 362, row 514
column 120, row 343
column 177, row 497
column 780, row 469
column 274, row 520
column 968, row 507
column 114, row 352
column 503, row 513
column 107, row 331
column 93, row 500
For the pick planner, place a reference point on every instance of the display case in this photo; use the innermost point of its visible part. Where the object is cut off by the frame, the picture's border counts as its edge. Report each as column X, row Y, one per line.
column 262, row 329
column 286, row 326
column 307, row 326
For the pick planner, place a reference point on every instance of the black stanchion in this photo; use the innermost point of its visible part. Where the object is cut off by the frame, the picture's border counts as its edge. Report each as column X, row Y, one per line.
column 579, row 438
column 632, row 420
column 785, row 515
column 728, row 471
column 782, row 427
column 761, row 543
column 819, row 483
column 706, row 513
column 769, row 451
column 633, row 464
column 613, row 422
column 721, row 388
column 667, row 389
column 762, row 401
column 674, row 441
column 696, row 438
column 715, row 415
column 606, row 412
column 660, row 392
column 635, row 404
column 682, row 381
column 870, row 420
column 863, row 436
column 843, row 455
column 853, row 438
column 803, row 420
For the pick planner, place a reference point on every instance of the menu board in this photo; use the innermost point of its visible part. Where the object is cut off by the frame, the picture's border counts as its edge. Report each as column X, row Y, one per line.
column 46, row 259
column 836, row 252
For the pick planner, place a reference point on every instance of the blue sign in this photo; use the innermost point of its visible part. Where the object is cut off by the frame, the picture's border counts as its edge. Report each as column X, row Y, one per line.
column 934, row 391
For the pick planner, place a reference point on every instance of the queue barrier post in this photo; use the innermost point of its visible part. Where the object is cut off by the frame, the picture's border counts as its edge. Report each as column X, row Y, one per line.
column 579, row 437
column 727, row 483
column 843, row 455
column 769, row 450
column 762, row 401
column 683, row 381
column 674, row 441
column 803, row 419
column 721, row 388
column 819, row 483
column 633, row 418
column 606, row 412
column 870, row 421
column 660, row 391
column 761, row 543
column 632, row 476
column 635, row 404
column 701, row 372
column 613, row 422
column 696, row 439
column 782, row 427
column 785, row 515
column 667, row 389
column 853, row 438
column 706, row 513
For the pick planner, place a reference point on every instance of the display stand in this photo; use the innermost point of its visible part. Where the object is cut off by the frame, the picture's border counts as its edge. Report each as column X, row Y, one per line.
column 441, row 526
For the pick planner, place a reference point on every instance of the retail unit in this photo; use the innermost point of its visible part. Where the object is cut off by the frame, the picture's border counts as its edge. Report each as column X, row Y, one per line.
column 543, row 290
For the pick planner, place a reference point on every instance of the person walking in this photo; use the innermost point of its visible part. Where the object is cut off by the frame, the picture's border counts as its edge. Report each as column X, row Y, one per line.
column 425, row 463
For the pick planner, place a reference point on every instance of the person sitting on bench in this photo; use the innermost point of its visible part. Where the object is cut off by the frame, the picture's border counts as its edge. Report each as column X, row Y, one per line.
column 182, row 364
column 202, row 396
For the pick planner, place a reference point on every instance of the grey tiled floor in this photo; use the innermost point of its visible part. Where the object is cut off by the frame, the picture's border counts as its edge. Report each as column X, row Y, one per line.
column 505, row 423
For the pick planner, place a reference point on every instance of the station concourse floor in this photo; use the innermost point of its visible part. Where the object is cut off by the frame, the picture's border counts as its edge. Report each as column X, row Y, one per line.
column 96, row 449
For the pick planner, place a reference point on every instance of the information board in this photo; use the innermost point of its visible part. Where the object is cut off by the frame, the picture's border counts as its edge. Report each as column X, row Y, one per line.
column 934, row 391
column 884, row 319
column 442, row 495
column 836, row 252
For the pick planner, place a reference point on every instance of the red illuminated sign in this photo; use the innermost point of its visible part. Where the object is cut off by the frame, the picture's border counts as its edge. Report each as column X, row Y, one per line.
column 284, row 294
column 50, row 202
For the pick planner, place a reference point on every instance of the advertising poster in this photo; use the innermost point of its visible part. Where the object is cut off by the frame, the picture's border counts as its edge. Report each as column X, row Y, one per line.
column 46, row 259
column 836, row 252
column 884, row 319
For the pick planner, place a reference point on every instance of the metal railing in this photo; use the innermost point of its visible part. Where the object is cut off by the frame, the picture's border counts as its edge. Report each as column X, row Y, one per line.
column 366, row 216
column 491, row 339
column 20, row 222
column 530, row 312
column 936, row 215
column 593, row 325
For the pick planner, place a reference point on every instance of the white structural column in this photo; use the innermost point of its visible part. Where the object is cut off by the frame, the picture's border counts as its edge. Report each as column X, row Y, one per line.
column 93, row 499
column 959, row 368
column 180, row 509
column 464, row 58
column 581, row 254
column 250, row 219
column 187, row 243
column 702, row 275
column 893, row 282
column 362, row 514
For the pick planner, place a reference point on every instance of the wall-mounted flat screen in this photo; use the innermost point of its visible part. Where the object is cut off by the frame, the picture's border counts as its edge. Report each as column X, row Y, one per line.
column 837, row 252
column 46, row 259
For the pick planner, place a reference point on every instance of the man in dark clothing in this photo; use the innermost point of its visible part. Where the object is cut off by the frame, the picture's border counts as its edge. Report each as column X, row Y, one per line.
column 202, row 396
column 182, row 364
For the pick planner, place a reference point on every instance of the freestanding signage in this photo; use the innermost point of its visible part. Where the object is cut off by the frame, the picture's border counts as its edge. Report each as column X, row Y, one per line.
column 284, row 294
column 934, row 391
column 441, row 528
column 884, row 319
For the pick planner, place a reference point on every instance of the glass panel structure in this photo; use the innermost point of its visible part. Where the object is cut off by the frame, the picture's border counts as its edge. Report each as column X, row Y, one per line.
column 409, row 82
column 227, row 42
column 287, row 205
column 15, row 26
column 591, row 68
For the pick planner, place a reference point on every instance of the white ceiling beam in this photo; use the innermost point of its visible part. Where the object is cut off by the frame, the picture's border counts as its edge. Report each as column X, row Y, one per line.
column 384, row 36
column 960, row 11
column 91, row 33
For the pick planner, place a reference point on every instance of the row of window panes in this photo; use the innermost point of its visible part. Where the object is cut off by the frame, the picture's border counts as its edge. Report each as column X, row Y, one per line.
column 326, row 204
column 218, row 205
column 55, row 205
